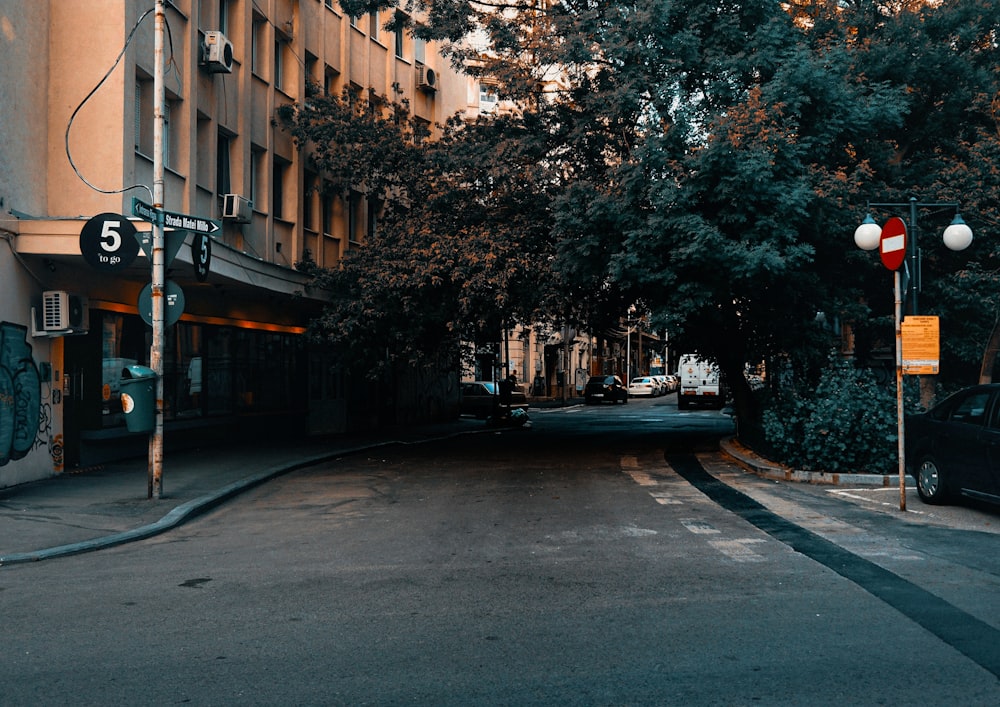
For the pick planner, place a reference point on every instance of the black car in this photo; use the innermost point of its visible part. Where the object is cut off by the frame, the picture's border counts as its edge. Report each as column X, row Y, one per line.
column 953, row 449
column 605, row 389
column 482, row 399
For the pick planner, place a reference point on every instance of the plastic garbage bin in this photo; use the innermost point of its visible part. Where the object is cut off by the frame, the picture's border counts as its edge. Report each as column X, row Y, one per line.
column 138, row 388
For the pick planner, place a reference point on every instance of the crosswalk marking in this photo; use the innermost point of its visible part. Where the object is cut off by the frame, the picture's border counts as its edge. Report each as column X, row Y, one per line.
column 667, row 489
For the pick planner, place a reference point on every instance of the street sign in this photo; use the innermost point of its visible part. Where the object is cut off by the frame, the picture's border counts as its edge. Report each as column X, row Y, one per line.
column 107, row 242
column 173, row 303
column 171, row 219
column 186, row 222
column 892, row 245
column 201, row 255
column 172, row 242
column 140, row 209
column 921, row 346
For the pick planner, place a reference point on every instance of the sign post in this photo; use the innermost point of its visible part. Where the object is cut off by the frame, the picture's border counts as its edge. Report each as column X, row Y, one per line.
column 892, row 249
column 155, row 480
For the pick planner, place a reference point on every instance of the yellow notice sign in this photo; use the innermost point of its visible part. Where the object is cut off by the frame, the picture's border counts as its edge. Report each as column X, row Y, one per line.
column 921, row 346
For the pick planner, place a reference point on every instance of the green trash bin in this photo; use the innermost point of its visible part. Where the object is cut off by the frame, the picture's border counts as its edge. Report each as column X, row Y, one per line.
column 138, row 388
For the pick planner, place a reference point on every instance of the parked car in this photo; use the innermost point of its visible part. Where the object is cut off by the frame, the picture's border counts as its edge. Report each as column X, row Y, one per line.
column 644, row 386
column 605, row 389
column 953, row 449
column 665, row 385
column 479, row 398
column 673, row 383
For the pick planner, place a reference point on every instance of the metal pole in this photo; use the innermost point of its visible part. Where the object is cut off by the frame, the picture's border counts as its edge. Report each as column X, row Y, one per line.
column 158, row 274
column 914, row 257
column 628, row 353
column 897, row 289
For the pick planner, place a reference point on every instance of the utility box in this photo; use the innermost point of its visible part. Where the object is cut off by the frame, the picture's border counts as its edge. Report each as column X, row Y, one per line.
column 138, row 388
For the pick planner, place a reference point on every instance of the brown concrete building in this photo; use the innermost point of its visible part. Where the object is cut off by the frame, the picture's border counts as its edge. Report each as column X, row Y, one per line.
column 77, row 141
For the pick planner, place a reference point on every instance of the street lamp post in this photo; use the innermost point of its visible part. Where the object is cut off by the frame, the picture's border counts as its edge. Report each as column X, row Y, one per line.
column 869, row 236
column 958, row 236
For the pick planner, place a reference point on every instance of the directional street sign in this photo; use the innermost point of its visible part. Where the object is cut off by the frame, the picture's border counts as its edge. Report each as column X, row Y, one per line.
column 171, row 219
column 185, row 222
column 146, row 212
column 892, row 245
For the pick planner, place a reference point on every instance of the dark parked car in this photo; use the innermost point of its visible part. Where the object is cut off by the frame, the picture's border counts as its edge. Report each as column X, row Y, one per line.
column 605, row 389
column 953, row 449
column 478, row 398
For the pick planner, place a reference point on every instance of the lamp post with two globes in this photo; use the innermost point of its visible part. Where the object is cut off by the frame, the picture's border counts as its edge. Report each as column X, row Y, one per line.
column 898, row 244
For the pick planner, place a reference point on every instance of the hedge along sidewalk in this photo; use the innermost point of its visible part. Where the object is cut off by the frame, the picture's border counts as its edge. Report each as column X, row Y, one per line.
column 756, row 464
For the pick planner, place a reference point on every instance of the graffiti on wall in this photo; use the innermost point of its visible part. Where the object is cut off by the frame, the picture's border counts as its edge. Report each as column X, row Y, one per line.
column 20, row 394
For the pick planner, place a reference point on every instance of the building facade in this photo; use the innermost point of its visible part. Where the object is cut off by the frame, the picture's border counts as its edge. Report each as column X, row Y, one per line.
column 76, row 172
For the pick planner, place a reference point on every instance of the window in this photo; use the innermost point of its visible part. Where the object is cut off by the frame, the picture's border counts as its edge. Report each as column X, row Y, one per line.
column 399, row 42
column 167, row 157
column 327, row 225
column 257, row 44
column 278, row 189
column 328, row 3
column 222, row 157
column 256, row 174
column 374, row 29
column 308, row 199
column 419, row 49
column 972, row 409
column 278, row 66
column 137, row 116
column 224, row 17
column 143, row 119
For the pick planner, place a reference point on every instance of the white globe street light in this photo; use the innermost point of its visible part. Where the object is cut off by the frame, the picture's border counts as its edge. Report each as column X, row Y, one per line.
column 868, row 234
column 958, row 236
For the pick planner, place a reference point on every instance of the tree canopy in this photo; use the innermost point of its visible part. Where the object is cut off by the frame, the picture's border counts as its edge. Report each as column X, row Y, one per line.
column 708, row 160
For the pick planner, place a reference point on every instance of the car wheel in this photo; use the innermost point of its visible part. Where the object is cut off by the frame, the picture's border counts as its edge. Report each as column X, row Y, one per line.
column 931, row 485
column 682, row 403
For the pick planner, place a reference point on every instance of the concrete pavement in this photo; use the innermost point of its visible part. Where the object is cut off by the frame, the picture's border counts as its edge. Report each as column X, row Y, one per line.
column 90, row 509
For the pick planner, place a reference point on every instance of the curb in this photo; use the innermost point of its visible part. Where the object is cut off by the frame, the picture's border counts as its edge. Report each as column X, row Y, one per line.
column 186, row 511
column 778, row 472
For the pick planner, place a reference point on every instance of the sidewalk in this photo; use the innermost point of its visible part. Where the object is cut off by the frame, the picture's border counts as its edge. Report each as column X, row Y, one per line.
column 755, row 464
column 100, row 507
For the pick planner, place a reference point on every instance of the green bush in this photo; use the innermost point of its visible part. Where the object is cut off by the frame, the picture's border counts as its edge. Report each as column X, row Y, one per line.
column 847, row 423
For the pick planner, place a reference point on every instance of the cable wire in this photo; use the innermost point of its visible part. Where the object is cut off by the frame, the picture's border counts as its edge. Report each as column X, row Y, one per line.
column 94, row 90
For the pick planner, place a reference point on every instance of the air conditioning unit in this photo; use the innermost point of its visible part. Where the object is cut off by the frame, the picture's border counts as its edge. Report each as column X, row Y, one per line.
column 64, row 312
column 217, row 53
column 426, row 78
column 236, row 208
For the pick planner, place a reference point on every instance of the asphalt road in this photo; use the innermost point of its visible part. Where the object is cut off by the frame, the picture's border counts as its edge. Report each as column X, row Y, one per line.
column 607, row 556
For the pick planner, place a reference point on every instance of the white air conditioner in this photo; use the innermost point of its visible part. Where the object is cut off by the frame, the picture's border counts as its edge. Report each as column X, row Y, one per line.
column 236, row 208
column 217, row 53
column 64, row 312
column 426, row 78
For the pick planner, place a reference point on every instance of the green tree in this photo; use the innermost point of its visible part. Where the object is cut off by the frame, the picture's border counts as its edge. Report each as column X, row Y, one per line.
column 461, row 233
column 710, row 161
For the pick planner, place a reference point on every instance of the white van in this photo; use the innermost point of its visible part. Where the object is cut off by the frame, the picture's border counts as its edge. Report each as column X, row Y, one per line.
column 700, row 384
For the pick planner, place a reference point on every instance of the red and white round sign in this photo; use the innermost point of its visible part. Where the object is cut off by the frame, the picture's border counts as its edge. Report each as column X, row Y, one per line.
column 892, row 246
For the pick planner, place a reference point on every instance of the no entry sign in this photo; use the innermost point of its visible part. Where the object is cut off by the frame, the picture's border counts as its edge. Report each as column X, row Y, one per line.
column 892, row 245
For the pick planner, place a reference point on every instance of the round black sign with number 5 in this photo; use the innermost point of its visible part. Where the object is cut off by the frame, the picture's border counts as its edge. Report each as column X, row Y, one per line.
column 108, row 242
column 201, row 255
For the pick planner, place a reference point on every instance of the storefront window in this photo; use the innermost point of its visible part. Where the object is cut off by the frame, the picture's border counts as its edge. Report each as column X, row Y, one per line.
column 125, row 341
column 207, row 370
